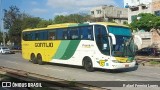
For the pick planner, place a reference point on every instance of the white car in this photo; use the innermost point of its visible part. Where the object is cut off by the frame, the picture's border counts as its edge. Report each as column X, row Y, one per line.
column 4, row 50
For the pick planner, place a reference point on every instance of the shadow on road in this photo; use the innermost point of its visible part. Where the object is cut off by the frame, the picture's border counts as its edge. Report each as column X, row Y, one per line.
column 120, row 70
column 97, row 69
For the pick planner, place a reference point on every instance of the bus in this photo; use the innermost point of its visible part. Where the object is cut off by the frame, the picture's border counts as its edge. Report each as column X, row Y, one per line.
column 91, row 45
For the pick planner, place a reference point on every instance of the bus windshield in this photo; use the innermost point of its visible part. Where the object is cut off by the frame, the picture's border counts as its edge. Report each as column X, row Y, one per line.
column 124, row 42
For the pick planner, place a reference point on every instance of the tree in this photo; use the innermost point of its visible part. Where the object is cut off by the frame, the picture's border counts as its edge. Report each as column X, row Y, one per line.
column 146, row 22
column 156, row 22
column 44, row 23
column 72, row 18
column 10, row 16
column 16, row 21
column 15, row 32
column 30, row 22
column 60, row 19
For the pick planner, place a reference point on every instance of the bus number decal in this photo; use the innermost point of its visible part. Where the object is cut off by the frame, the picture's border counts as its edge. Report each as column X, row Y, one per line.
column 102, row 62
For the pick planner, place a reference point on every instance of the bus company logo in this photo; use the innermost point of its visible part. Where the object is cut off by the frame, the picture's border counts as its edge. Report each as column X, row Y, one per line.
column 43, row 44
column 6, row 84
column 87, row 46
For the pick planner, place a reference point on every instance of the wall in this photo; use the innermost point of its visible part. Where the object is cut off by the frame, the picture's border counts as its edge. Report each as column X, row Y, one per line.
column 111, row 13
column 156, row 38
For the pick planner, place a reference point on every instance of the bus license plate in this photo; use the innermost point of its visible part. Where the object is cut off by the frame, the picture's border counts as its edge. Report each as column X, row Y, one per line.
column 126, row 65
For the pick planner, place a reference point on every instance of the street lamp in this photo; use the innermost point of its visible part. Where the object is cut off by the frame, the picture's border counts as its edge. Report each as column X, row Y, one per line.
column 2, row 29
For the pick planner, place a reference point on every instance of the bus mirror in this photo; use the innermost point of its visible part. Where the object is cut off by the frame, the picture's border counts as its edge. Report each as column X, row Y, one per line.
column 113, row 38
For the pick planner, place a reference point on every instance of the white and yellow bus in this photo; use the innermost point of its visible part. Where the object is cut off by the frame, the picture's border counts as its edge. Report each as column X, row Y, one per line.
column 92, row 45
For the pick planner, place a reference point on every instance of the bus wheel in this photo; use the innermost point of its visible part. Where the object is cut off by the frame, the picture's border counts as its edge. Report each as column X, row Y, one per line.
column 33, row 59
column 39, row 59
column 87, row 63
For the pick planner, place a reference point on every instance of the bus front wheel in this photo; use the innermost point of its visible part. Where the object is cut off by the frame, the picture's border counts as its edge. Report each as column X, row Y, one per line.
column 87, row 63
column 33, row 59
column 39, row 59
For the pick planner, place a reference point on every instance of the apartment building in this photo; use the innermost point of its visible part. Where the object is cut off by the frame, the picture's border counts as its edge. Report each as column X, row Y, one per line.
column 136, row 2
column 110, row 13
column 136, row 7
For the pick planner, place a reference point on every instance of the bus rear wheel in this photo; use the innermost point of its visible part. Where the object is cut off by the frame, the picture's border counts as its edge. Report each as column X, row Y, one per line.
column 33, row 59
column 87, row 63
column 39, row 59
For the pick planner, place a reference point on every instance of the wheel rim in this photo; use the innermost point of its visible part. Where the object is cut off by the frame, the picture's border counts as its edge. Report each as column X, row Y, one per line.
column 39, row 58
column 33, row 59
column 88, row 65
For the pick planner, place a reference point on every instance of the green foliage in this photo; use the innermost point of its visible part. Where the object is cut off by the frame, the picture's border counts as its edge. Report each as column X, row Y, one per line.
column 10, row 16
column 16, row 21
column 30, row 22
column 154, row 62
column 44, row 23
column 146, row 22
column 72, row 18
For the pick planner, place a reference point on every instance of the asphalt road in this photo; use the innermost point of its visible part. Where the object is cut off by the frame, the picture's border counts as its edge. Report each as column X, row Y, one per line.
column 72, row 73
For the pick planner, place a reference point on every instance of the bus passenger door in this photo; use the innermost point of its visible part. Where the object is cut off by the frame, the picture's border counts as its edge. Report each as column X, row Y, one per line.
column 102, row 40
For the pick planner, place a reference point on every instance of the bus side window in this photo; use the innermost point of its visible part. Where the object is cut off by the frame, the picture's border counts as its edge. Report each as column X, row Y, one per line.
column 86, row 33
column 45, row 35
column 65, row 34
column 74, row 34
column 30, row 36
column 59, row 33
column 42, row 35
column 90, row 36
column 101, row 38
column 25, row 36
column 52, row 35
column 36, row 35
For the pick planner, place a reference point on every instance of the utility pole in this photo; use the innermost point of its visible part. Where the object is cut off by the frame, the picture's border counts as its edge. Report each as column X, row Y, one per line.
column 2, row 28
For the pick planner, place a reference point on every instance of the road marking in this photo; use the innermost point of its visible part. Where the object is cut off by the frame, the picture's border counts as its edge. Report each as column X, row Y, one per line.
column 12, row 62
column 157, row 74
column 52, row 69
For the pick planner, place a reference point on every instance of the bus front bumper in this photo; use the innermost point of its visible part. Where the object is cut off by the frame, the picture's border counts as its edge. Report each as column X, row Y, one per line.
column 122, row 65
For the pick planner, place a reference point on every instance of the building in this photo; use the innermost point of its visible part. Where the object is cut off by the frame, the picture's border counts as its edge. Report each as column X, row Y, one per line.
column 133, row 11
column 110, row 13
column 136, row 2
column 156, row 7
column 149, row 39
column 144, row 6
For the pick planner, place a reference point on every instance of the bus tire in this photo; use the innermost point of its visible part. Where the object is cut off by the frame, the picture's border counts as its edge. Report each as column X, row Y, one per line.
column 87, row 63
column 39, row 59
column 33, row 59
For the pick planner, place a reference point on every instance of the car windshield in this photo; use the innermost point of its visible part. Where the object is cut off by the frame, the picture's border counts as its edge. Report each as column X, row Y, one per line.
column 124, row 41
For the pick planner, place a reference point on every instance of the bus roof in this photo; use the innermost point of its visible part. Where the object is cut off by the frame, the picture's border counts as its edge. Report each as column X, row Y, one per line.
column 109, row 24
column 64, row 25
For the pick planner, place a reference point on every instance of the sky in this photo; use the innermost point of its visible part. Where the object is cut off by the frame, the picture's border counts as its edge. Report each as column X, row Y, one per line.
column 48, row 9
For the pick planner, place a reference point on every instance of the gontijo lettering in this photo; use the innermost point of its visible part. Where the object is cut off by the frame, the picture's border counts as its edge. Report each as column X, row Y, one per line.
column 43, row 44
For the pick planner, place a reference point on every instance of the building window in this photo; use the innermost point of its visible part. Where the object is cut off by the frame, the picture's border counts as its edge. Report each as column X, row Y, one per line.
column 157, row 13
column 92, row 12
column 133, row 8
column 99, row 11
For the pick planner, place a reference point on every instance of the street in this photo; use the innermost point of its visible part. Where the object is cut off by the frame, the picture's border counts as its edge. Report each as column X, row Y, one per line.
column 72, row 73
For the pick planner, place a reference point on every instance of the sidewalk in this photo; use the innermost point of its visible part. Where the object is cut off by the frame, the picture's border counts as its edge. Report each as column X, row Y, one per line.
column 146, row 60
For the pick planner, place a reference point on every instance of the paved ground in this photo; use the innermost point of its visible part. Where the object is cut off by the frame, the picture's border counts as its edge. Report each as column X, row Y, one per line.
column 139, row 73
